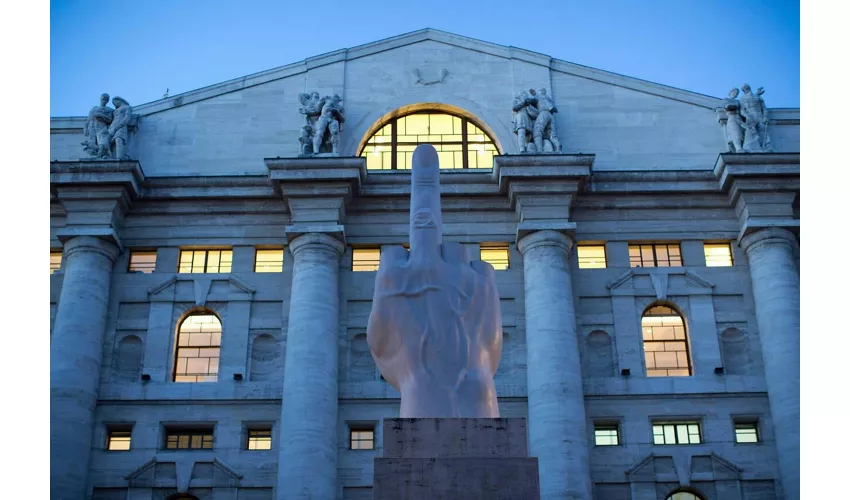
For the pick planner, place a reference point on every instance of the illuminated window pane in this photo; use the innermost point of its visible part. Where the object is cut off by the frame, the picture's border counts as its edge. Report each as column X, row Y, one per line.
column 606, row 435
column 655, row 255
column 365, row 259
column 591, row 257
column 746, row 432
column 392, row 146
column 676, row 433
column 268, row 261
column 118, row 440
column 198, row 349
column 259, row 439
column 189, row 439
column 362, row 438
column 718, row 255
column 143, row 262
column 665, row 343
column 682, row 495
column 205, row 261
column 55, row 261
column 498, row 257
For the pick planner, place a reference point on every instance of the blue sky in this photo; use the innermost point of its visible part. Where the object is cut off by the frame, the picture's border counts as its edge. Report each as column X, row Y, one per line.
column 138, row 49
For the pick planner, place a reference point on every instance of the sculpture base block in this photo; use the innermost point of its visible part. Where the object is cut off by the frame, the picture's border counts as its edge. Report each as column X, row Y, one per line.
column 454, row 458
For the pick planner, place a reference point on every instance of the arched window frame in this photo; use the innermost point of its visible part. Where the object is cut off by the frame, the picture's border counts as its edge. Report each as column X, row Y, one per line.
column 209, row 374
column 679, row 492
column 685, row 340
column 465, row 142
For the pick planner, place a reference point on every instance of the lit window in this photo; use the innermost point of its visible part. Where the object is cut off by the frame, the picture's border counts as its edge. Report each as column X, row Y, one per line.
column 718, row 255
column 606, row 435
column 198, row 348
column 189, row 439
column 55, row 261
column 498, row 257
column 206, row 261
column 269, row 261
column 365, row 259
column 144, row 262
column 459, row 142
column 259, row 439
column 676, row 433
column 746, row 432
column 362, row 438
column 118, row 439
column 665, row 343
column 683, row 495
column 655, row 255
column 591, row 257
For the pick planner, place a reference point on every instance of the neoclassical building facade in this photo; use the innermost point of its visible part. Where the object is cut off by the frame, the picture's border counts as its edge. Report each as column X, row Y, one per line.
column 213, row 259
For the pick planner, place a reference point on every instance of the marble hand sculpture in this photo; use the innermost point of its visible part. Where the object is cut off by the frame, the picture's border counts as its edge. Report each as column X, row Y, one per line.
column 435, row 330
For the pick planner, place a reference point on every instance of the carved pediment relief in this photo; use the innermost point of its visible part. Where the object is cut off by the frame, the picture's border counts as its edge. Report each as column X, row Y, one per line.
column 683, row 469
column 660, row 282
column 203, row 286
column 182, row 473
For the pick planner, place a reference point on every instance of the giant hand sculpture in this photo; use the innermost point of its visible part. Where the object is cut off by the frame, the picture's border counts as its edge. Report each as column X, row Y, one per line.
column 436, row 325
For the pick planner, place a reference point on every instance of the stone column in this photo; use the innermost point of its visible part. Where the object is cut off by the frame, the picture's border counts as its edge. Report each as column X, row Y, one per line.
column 556, row 418
column 76, row 350
column 776, row 291
column 308, row 444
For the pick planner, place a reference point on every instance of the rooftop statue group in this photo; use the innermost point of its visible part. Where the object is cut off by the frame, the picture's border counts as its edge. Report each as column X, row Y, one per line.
column 534, row 122
column 322, row 119
column 746, row 122
column 106, row 129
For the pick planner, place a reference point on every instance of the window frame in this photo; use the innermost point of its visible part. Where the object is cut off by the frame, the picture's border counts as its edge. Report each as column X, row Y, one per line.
column 137, row 251
column 275, row 262
column 58, row 268
column 361, row 427
column 177, row 347
column 685, row 340
column 676, row 423
column 256, row 428
column 655, row 246
column 206, row 260
column 747, row 422
column 496, row 246
column 607, row 426
column 727, row 244
column 191, row 431
column 464, row 142
column 112, row 429
column 592, row 245
column 354, row 264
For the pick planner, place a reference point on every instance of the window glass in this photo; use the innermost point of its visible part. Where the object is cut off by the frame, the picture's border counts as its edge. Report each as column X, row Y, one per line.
column 118, row 439
column 591, row 257
column 198, row 348
column 268, row 261
column 497, row 256
column 259, row 439
column 143, row 262
column 55, row 261
column 362, row 439
column 665, row 343
column 718, row 255
column 365, row 259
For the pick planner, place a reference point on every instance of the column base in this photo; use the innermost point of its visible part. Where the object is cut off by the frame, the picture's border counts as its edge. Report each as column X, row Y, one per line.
column 451, row 458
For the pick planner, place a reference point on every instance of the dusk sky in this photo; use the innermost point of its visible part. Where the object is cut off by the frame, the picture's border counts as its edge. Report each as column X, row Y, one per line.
column 139, row 49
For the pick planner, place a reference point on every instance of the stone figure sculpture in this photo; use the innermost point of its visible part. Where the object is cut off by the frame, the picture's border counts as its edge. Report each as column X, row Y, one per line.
column 544, row 125
column 96, row 130
column 118, row 132
column 754, row 112
column 323, row 117
column 525, row 112
column 734, row 122
column 435, row 330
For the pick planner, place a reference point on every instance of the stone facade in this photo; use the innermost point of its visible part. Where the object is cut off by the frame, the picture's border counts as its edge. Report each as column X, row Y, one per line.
column 220, row 168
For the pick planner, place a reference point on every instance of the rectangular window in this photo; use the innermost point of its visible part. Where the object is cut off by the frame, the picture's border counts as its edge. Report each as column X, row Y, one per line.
column 746, row 432
column 362, row 438
column 144, row 262
column 591, row 257
column 365, row 259
column 497, row 256
column 655, row 255
column 259, row 439
column 718, row 254
column 118, row 438
column 189, row 439
column 55, row 261
column 205, row 261
column 676, row 433
column 268, row 261
column 606, row 435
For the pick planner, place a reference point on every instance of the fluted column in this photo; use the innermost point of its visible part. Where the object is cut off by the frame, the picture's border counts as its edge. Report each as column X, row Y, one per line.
column 776, row 291
column 307, row 465
column 556, row 418
column 75, row 357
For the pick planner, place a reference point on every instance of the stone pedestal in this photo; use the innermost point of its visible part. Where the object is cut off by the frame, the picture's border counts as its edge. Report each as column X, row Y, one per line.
column 455, row 458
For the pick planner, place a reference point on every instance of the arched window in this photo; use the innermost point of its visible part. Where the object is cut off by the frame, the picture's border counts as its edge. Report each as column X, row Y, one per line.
column 683, row 495
column 665, row 343
column 459, row 142
column 198, row 348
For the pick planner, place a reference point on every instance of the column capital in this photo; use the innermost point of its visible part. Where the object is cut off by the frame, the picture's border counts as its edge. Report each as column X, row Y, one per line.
column 107, row 248
column 545, row 238
column 768, row 236
column 316, row 241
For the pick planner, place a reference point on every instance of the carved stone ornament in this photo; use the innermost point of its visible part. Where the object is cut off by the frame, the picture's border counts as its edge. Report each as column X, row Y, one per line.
column 106, row 129
column 419, row 79
column 534, row 122
column 746, row 122
column 435, row 330
column 323, row 118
